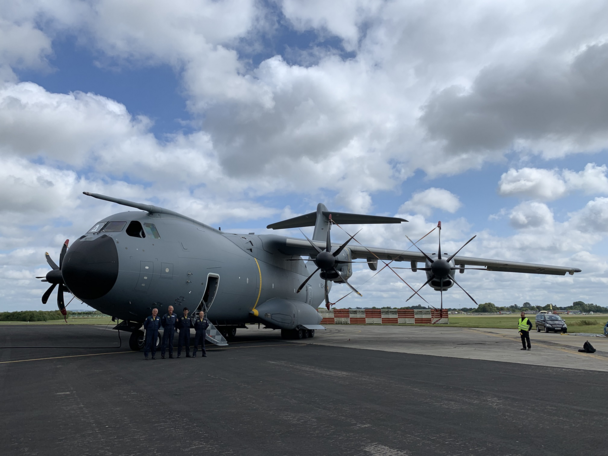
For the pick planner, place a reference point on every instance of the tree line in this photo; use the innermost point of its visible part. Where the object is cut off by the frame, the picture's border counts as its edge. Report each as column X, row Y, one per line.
column 489, row 307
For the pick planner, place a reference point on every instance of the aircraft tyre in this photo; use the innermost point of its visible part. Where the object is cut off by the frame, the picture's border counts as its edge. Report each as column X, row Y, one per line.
column 231, row 332
column 137, row 340
column 294, row 334
column 311, row 333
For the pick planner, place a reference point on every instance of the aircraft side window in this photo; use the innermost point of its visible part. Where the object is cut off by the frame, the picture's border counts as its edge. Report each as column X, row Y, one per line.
column 135, row 230
column 114, row 227
column 151, row 230
column 97, row 227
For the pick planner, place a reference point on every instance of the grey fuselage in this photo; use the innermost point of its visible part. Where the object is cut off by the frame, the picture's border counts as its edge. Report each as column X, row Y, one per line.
column 172, row 265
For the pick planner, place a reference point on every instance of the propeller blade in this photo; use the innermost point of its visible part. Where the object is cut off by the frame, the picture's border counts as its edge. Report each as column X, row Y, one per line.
column 311, row 243
column 346, row 282
column 327, row 302
column 464, row 291
column 453, row 255
column 60, row 301
column 439, row 254
column 47, row 293
column 306, row 281
column 63, row 250
column 417, row 269
column 426, row 256
column 414, row 243
column 51, row 263
column 61, row 304
column 441, row 288
column 328, row 244
column 470, row 269
column 339, row 251
column 416, row 292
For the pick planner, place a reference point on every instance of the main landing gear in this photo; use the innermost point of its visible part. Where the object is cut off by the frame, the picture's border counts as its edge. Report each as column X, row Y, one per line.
column 302, row 333
column 137, row 341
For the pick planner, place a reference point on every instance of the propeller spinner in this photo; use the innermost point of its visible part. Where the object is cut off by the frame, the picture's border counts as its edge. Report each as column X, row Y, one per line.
column 55, row 277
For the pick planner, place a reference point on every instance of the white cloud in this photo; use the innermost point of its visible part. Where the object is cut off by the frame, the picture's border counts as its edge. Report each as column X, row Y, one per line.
column 433, row 198
column 531, row 215
column 593, row 218
column 532, row 183
column 548, row 185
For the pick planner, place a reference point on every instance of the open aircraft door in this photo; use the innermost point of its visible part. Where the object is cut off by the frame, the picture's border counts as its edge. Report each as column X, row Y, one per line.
column 213, row 283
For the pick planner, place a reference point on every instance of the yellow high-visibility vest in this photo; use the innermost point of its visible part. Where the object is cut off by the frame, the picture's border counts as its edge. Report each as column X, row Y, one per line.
column 523, row 324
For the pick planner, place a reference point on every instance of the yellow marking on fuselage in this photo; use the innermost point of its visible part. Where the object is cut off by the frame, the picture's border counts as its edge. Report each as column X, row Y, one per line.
column 260, row 290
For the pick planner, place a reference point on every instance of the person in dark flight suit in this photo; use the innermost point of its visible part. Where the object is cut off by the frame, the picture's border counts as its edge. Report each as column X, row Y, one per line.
column 151, row 325
column 200, row 326
column 184, row 323
column 168, row 322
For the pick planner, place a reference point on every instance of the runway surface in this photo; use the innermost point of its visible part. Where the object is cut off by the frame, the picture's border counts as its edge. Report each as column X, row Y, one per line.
column 265, row 396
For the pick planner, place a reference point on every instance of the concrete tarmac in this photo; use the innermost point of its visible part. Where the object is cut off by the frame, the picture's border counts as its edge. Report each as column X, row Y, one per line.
column 265, row 396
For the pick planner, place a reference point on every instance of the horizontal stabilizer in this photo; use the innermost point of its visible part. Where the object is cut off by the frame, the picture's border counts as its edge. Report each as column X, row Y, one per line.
column 342, row 218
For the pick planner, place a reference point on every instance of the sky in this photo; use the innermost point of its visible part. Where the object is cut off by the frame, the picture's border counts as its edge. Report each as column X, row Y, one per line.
column 490, row 116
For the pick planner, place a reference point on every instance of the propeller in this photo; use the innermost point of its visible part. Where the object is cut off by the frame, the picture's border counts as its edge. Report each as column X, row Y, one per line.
column 326, row 261
column 54, row 277
column 440, row 268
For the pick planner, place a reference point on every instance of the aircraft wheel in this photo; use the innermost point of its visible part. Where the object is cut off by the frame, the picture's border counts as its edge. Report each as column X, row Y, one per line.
column 311, row 333
column 137, row 340
column 299, row 334
column 231, row 332
column 305, row 334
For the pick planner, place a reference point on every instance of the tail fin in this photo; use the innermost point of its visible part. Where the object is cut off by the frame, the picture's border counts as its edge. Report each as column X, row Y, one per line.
column 320, row 220
column 321, row 223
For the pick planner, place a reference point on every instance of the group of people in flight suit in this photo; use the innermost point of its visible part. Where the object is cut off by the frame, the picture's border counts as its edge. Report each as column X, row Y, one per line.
column 171, row 323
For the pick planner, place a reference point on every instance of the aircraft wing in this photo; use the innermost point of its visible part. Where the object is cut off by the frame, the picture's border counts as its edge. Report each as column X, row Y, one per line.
column 290, row 246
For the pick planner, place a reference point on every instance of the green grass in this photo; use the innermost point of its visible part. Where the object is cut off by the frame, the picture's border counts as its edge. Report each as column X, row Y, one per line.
column 593, row 324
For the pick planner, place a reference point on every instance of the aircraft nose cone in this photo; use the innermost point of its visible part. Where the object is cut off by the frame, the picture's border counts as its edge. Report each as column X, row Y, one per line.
column 90, row 267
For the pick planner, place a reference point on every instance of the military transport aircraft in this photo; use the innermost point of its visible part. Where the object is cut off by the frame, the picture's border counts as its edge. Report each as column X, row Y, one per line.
column 130, row 262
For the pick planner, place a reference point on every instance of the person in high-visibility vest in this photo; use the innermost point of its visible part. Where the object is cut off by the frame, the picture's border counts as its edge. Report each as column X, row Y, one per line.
column 524, row 325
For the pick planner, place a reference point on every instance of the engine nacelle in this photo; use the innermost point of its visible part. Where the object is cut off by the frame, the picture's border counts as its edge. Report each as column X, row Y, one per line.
column 372, row 263
column 345, row 269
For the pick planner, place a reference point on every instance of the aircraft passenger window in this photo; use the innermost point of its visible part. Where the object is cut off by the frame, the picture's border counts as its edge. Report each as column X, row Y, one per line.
column 114, row 226
column 97, row 227
column 151, row 230
column 135, row 230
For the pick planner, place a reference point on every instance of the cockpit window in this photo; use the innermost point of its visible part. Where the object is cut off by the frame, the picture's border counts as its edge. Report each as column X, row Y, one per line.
column 151, row 230
column 114, row 226
column 135, row 230
column 97, row 227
